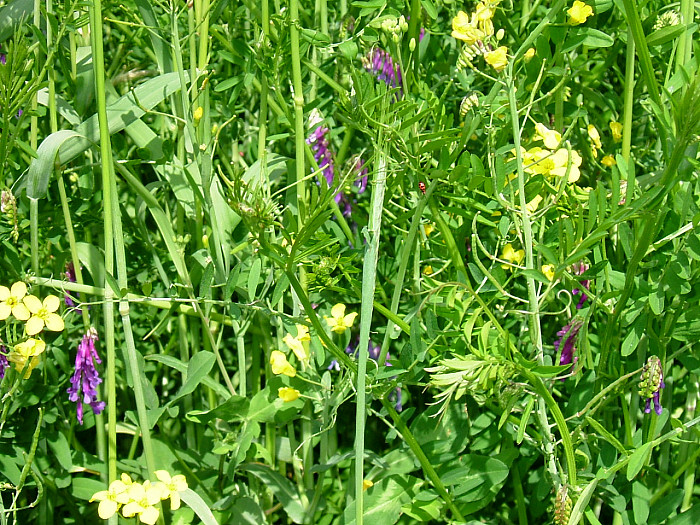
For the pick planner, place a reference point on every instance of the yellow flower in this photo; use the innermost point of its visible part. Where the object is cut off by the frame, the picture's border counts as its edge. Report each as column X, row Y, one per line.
column 463, row 29
column 428, row 229
column 11, row 302
column 42, row 314
column 616, row 129
column 594, row 136
column 511, row 255
column 608, row 161
column 498, row 58
column 171, row 487
column 288, row 394
column 428, row 270
column 550, row 137
column 529, row 54
column 142, row 499
column 29, row 350
column 111, row 499
column 198, row 114
column 367, row 483
column 296, row 344
column 561, row 160
column 280, row 365
column 579, row 12
column 534, row 203
column 339, row 322
column 548, row 271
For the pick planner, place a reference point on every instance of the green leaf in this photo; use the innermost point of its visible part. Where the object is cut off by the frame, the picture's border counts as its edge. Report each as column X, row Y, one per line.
column 586, row 36
column 665, row 34
column 349, row 49
column 245, row 511
column 42, row 167
column 197, row 369
column 630, row 342
column 637, row 460
column 181, row 367
column 199, row 506
column 382, row 502
column 430, row 8
column 640, row 502
column 689, row 517
column 281, row 487
column 233, row 409
column 13, row 14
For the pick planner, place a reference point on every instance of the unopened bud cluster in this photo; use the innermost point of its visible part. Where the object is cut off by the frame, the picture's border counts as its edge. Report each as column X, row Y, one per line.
column 562, row 506
column 652, row 381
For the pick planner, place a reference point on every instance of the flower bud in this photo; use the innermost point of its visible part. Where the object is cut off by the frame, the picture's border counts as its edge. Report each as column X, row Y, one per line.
column 412, row 45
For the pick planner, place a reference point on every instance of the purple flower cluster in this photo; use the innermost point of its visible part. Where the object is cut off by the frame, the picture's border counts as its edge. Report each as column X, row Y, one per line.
column 652, row 381
column 3, row 361
column 86, row 379
column 319, row 140
column 379, row 63
column 568, row 337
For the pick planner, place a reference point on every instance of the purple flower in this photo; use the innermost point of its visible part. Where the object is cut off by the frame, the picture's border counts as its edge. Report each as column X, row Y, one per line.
column 568, row 335
column 3, row 361
column 652, row 381
column 580, row 269
column 320, row 145
column 70, row 277
column 86, row 379
column 379, row 63
column 3, row 59
column 362, row 171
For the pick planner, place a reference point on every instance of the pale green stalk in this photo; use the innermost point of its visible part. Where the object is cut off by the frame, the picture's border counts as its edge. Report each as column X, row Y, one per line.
column 369, row 275
column 33, row 142
column 685, row 41
column 629, row 97
column 96, row 41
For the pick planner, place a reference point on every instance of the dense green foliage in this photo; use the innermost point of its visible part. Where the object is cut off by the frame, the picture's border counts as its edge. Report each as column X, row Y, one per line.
column 436, row 261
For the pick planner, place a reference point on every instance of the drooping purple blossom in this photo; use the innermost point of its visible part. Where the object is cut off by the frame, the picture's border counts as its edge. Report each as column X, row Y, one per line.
column 652, row 381
column 3, row 361
column 580, row 269
column 362, row 172
column 319, row 140
column 380, row 64
column 69, row 274
column 86, row 379
column 568, row 336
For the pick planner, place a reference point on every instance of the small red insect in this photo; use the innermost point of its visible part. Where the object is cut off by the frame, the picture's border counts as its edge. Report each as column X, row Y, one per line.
column 421, row 185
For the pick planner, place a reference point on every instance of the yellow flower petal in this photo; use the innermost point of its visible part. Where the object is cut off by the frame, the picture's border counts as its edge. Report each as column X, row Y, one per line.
column 5, row 311
column 20, row 312
column 34, row 325
column 51, row 303
column 149, row 515
column 4, row 293
column 54, row 322
column 338, row 310
column 288, row 394
column 32, row 303
column 107, row 508
column 280, row 365
column 174, row 501
column 579, row 12
column 19, row 290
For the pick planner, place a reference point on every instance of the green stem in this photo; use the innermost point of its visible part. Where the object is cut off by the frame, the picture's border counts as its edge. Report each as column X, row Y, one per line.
column 629, row 97
column 369, row 273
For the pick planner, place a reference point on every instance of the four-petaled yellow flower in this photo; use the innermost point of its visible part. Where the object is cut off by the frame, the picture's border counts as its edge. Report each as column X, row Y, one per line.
column 280, row 365
column 43, row 314
column 296, row 344
column 548, row 271
column 498, row 58
column 288, row 394
column 616, row 129
column 579, row 12
column 11, row 302
column 142, row 501
column 608, row 161
column 339, row 322
column 550, row 137
column 111, row 499
column 511, row 255
column 28, row 350
column 465, row 30
column 171, row 487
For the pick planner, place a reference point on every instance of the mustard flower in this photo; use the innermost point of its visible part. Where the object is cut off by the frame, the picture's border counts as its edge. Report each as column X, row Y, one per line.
column 616, row 129
column 43, row 314
column 529, row 54
column 579, row 12
column 296, row 344
column 367, row 483
column 142, row 501
column 11, row 302
column 339, row 322
column 548, row 271
column 171, row 487
column 608, row 161
column 288, row 394
column 463, row 29
column 550, row 137
column 594, row 136
column 28, row 350
column 511, row 255
column 280, row 365
column 561, row 161
column 111, row 499
column 498, row 58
